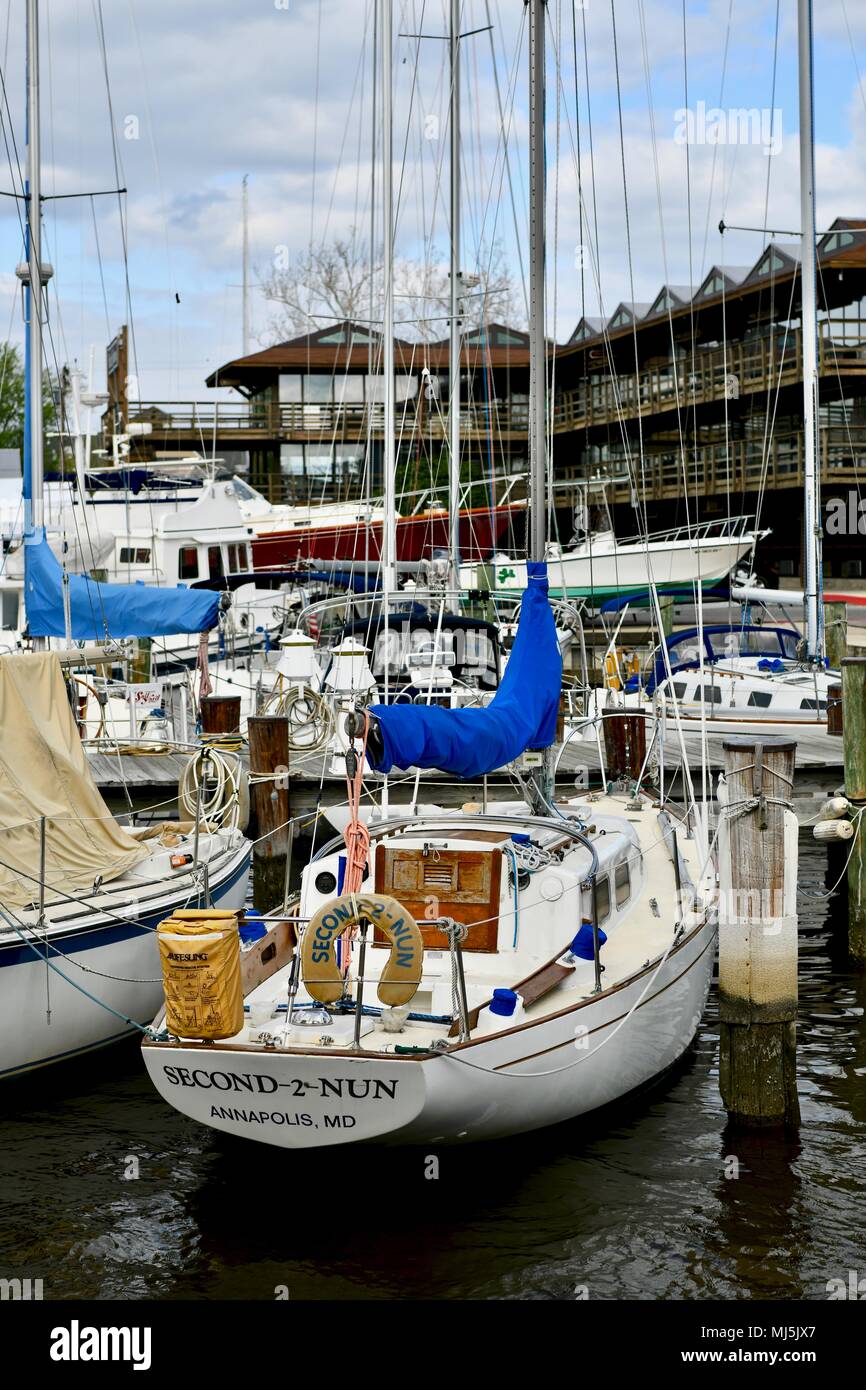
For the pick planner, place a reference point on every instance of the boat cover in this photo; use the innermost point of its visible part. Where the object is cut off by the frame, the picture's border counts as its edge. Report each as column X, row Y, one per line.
column 44, row 772
column 98, row 611
column 521, row 715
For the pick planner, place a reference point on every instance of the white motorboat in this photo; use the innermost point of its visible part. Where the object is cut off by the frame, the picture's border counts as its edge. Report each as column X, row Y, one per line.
column 722, row 680
column 602, row 566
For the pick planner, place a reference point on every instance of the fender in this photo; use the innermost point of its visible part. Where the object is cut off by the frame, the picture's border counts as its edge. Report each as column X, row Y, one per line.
column 321, row 973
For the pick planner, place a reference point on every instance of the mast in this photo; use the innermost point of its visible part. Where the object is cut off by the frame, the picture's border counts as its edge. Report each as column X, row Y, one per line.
column 389, row 456
column 811, row 474
column 455, row 304
column 537, row 519
column 245, row 277
column 34, row 463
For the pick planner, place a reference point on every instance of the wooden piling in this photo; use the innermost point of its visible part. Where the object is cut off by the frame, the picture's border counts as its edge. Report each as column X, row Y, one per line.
column 221, row 714
column 854, row 752
column 268, row 737
column 836, row 633
column 141, row 661
column 834, row 710
column 758, row 934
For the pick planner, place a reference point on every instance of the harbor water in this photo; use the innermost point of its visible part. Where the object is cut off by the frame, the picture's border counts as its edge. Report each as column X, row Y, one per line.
column 109, row 1194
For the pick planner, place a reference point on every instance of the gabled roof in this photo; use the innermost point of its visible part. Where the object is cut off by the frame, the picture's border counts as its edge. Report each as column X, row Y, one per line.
column 346, row 346
column 776, row 259
column 626, row 312
column 670, row 297
column 720, row 278
column 844, row 233
column 587, row 328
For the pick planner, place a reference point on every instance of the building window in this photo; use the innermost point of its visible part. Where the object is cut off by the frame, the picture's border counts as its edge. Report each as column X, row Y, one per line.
column 188, row 562
column 318, row 389
column 837, row 241
column 349, row 389
column 290, row 388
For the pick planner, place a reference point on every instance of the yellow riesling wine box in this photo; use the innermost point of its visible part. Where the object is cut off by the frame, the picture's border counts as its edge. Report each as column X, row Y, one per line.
column 200, row 954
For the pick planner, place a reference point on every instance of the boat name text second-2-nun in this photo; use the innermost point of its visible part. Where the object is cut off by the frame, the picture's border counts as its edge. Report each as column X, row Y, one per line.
column 339, row 1087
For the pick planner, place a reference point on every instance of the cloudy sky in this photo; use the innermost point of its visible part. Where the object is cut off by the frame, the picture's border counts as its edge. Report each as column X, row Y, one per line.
column 280, row 90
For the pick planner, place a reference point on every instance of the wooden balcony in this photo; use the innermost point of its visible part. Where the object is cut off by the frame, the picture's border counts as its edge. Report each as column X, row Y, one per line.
column 741, row 466
column 249, row 424
column 744, row 369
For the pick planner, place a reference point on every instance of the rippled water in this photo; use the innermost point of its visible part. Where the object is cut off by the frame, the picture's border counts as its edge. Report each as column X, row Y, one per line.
column 635, row 1204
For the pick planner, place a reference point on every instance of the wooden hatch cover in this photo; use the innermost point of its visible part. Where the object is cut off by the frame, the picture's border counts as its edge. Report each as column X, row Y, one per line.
column 459, row 883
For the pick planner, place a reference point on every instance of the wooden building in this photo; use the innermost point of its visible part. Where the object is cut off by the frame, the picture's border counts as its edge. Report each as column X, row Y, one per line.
column 691, row 402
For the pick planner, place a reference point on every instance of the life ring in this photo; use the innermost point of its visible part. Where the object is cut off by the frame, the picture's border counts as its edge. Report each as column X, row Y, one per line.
column 321, row 973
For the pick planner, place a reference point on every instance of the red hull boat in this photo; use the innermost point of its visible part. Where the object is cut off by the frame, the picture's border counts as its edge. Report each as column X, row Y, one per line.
column 481, row 529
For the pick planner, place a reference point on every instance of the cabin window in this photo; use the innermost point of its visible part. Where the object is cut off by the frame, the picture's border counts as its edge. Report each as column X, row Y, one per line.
column 188, row 562
column 760, row 698
column 134, row 555
column 622, row 884
column 680, row 689
column 711, row 695
column 215, row 562
column 813, row 704
column 602, row 898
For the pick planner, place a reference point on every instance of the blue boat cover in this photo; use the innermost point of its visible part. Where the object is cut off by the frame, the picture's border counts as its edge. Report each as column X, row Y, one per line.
column 107, row 610
column 521, row 715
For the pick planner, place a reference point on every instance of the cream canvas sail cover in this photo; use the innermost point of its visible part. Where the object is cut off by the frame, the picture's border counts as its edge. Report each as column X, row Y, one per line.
column 44, row 772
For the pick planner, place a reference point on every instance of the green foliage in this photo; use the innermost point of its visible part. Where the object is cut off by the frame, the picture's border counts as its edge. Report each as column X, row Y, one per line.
column 12, row 401
column 11, row 397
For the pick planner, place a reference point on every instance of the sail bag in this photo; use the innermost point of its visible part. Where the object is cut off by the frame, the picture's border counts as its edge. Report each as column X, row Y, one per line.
column 522, row 714
column 98, row 611
column 44, row 772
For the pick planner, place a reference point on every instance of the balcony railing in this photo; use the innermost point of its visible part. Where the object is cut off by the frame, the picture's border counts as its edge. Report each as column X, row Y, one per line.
column 735, row 467
column 743, row 369
column 274, row 422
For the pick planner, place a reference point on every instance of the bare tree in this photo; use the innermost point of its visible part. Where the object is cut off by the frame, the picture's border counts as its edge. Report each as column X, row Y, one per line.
column 339, row 280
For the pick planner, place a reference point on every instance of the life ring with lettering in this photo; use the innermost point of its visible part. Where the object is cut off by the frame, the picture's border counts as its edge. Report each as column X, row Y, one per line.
column 402, row 974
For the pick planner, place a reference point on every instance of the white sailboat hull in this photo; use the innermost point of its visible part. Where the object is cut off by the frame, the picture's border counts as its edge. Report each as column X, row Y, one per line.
column 537, row 1074
column 609, row 568
column 45, row 1015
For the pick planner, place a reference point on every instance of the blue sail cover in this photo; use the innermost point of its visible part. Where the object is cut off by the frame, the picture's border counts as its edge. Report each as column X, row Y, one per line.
column 107, row 610
column 521, row 715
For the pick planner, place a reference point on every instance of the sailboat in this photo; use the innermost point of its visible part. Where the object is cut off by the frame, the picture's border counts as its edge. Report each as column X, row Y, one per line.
column 80, row 895
column 455, row 976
